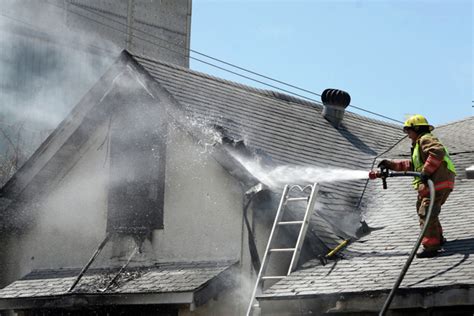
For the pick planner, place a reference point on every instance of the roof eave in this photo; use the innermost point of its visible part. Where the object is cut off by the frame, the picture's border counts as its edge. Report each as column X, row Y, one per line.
column 456, row 295
column 78, row 300
column 191, row 297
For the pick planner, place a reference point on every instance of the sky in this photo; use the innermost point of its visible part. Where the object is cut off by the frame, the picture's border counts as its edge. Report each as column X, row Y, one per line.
column 395, row 58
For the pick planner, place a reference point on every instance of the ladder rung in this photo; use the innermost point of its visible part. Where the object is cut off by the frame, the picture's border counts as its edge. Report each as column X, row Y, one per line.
column 282, row 249
column 310, row 201
column 291, row 223
column 297, row 199
column 274, row 277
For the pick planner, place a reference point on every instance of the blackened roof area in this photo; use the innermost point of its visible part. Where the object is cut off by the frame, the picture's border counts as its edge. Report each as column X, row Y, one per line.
column 197, row 278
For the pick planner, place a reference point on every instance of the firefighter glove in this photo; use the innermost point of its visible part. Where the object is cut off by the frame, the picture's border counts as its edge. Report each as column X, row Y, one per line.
column 385, row 164
column 423, row 190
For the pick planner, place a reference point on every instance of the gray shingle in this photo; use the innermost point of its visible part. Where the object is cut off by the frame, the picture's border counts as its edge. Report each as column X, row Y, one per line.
column 375, row 261
column 160, row 278
column 293, row 131
column 290, row 131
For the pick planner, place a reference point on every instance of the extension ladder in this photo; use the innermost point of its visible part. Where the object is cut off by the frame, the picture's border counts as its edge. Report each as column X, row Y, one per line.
column 296, row 251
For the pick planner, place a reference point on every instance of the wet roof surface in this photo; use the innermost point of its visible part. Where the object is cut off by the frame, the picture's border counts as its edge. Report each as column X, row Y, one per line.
column 160, row 278
column 294, row 131
column 375, row 261
column 291, row 131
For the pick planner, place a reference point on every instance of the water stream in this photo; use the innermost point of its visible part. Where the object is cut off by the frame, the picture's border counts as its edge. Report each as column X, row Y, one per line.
column 278, row 176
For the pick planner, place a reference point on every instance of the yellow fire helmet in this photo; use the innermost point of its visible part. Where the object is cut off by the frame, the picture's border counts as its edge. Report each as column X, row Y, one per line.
column 416, row 120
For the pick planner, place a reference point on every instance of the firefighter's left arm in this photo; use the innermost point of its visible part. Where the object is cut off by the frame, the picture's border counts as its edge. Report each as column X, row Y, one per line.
column 434, row 151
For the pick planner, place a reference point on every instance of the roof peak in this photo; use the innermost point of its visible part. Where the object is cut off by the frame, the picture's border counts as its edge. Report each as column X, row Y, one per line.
column 269, row 93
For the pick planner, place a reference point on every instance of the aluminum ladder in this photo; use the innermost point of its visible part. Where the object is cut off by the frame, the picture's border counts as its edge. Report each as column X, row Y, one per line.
column 285, row 199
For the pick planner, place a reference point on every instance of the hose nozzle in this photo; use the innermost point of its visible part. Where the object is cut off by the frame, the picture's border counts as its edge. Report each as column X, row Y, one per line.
column 382, row 173
column 374, row 174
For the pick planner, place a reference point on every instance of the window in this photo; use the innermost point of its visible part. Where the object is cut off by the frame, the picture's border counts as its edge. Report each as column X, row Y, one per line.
column 137, row 165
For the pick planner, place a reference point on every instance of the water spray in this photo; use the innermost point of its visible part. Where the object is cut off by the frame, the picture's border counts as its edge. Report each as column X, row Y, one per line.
column 383, row 174
column 276, row 177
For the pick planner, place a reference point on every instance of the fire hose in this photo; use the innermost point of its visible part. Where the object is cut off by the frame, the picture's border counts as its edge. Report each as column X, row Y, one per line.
column 384, row 173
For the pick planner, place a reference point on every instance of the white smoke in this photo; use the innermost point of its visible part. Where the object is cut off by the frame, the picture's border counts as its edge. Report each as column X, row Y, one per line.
column 46, row 67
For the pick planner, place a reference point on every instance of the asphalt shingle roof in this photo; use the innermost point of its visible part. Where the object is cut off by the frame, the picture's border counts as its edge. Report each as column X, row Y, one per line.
column 290, row 130
column 458, row 135
column 374, row 262
column 293, row 131
column 159, row 278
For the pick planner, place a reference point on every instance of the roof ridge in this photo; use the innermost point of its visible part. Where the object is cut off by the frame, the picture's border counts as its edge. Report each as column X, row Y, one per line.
column 266, row 92
column 274, row 94
column 471, row 117
column 391, row 125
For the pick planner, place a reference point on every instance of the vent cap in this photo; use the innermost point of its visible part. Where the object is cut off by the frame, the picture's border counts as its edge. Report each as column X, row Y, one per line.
column 335, row 102
column 470, row 172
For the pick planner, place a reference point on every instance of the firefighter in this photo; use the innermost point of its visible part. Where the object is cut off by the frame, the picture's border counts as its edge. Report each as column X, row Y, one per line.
column 431, row 158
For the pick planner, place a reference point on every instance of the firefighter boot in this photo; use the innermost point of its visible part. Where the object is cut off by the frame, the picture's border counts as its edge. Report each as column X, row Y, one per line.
column 431, row 247
column 428, row 253
column 442, row 239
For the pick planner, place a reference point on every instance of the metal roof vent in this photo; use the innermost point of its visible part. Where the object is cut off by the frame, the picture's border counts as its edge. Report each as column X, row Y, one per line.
column 335, row 102
column 470, row 172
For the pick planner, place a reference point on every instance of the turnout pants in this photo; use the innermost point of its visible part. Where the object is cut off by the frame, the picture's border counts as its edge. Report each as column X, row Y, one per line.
column 434, row 233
